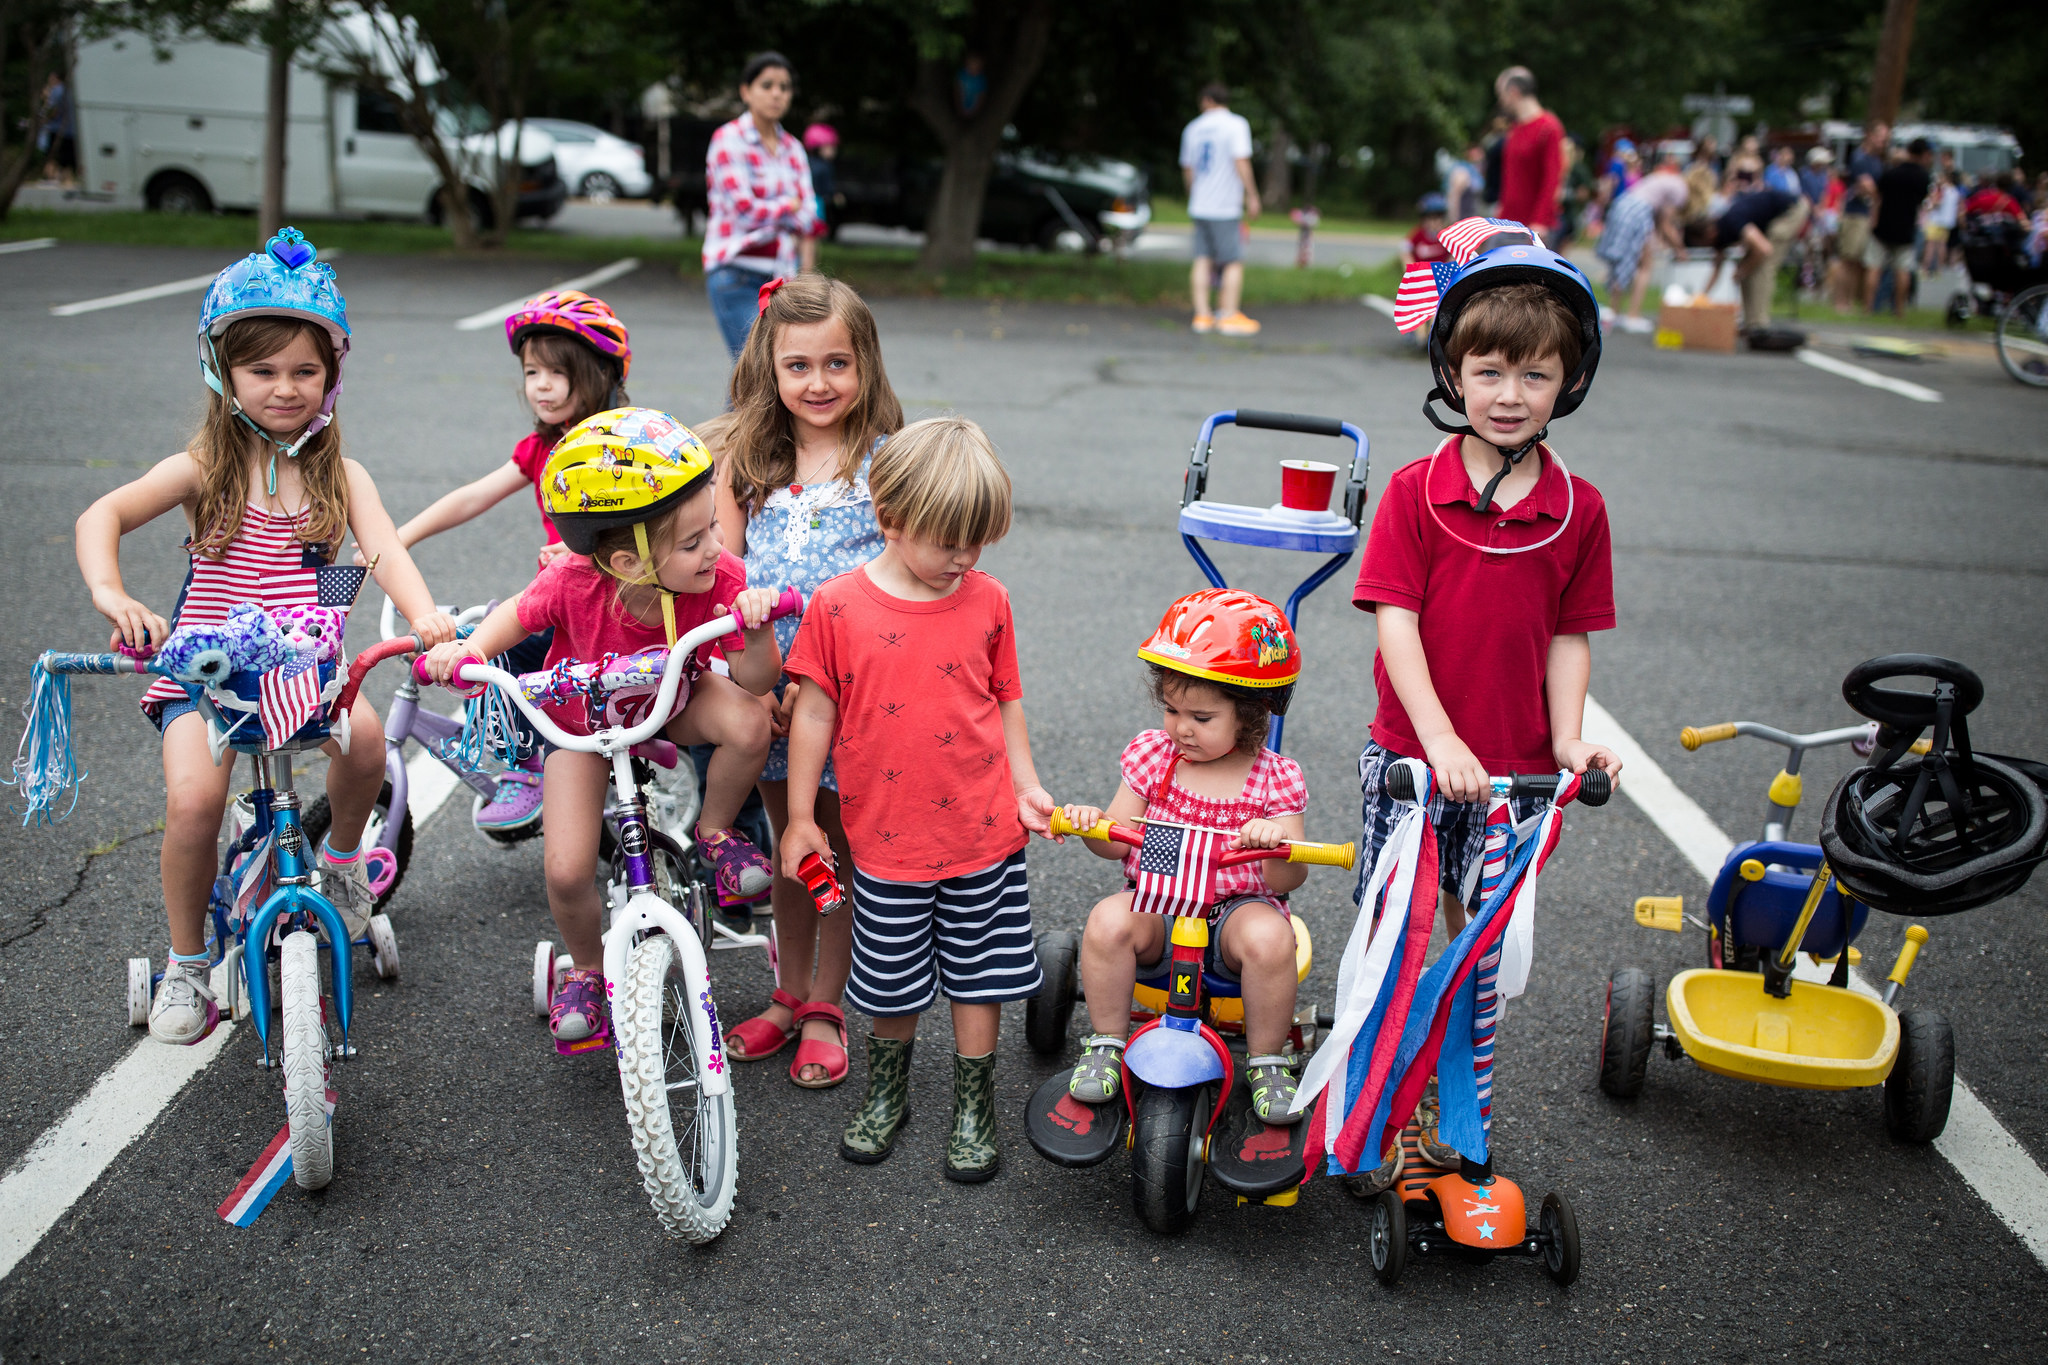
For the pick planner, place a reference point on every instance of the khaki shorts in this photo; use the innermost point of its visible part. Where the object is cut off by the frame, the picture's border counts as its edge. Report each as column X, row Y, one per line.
column 1852, row 237
column 1883, row 256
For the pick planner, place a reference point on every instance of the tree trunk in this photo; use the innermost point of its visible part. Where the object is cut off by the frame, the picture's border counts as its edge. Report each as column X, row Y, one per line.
column 1019, row 31
column 42, row 50
column 1894, row 42
column 1276, row 185
column 276, row 122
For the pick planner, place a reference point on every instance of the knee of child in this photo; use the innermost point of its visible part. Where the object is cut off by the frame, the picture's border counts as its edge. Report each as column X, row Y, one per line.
column 566, row 872
column 1267, row 941
column 190, row 806
column 1111, row 924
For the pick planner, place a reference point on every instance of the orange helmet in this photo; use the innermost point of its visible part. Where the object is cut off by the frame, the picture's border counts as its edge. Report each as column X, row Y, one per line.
column 1228, row 636
column 590, row 320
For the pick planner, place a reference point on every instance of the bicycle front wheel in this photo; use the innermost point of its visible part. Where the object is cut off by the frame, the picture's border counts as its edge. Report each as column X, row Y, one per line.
column 304, row 1048
column 686, row 1140
column 2023, row 337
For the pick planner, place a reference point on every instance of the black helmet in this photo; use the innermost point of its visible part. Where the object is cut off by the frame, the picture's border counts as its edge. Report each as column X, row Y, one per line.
column 1937, row 833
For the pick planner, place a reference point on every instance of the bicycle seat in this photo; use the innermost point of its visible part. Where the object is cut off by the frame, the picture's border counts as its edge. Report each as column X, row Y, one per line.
column 659, row 752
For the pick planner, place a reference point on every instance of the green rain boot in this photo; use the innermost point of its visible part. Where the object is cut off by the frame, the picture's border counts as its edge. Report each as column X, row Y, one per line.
column 971, row 1155
column 871, row 1134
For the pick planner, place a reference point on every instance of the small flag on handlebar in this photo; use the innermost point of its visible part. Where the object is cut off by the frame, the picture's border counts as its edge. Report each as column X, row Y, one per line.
column 341, row 584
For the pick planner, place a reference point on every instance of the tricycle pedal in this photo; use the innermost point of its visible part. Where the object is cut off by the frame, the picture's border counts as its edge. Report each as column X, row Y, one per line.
column 1661, row 912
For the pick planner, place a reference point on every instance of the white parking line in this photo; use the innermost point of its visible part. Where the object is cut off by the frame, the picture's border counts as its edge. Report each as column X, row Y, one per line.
column 1871, row 378
column 155, row 291
column 476, row 322
column 29, row 244
column 1379, row 303
column 76, row 1151
column 1989, row 1159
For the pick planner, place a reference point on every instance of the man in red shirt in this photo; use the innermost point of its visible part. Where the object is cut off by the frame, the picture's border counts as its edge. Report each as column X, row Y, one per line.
column 1532, row 162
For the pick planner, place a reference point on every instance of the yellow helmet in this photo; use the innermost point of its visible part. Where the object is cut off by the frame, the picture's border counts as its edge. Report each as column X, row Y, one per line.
column 617, row 468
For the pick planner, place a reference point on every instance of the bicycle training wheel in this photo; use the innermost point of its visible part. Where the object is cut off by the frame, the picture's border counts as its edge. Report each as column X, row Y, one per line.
column 686, row 1141
column 2023, row 337
column 303, row 1044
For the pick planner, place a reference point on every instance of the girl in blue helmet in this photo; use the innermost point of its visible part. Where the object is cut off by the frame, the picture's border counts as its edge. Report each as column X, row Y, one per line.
column 267, row 499
column 1488, row 566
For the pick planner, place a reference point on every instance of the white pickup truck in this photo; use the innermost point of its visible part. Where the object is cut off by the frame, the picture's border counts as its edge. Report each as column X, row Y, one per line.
column 186, row 136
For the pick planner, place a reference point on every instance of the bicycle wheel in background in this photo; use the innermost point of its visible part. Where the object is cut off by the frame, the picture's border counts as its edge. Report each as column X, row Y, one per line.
column 318, row 818
column 686, row 1141
column 2023, row 337
column 303, row 1046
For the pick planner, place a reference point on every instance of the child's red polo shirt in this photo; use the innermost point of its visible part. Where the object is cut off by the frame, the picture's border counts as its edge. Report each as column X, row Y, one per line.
column 1486, row 620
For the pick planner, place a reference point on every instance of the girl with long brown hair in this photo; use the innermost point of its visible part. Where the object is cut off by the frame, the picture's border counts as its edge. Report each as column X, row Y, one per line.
column 267, row 497
column 810, row 402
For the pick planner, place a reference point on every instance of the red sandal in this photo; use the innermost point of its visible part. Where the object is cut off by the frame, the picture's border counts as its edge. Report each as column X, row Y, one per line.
column 811, row 1052
column 758, row 1037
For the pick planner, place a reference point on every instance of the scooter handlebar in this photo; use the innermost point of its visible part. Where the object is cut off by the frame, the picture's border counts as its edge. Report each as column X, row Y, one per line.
column 1594, row 786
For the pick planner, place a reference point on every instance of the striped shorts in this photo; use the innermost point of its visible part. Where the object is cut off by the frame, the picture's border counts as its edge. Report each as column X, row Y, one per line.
column 1460, row 827
column 970, row 934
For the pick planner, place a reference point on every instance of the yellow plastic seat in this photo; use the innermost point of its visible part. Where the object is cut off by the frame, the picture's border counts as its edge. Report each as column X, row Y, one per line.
column 1819, row 1038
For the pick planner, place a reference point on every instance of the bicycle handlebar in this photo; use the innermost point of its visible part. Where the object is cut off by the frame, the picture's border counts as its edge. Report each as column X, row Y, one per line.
column 613, row 738
column 387, row 617
column 359, row 669
column 67, row 661
column 1594, row 786
column 1298, row 851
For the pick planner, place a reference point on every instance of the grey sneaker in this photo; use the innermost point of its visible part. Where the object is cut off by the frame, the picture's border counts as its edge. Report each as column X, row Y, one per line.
column 184, row 1010
column 348, row 886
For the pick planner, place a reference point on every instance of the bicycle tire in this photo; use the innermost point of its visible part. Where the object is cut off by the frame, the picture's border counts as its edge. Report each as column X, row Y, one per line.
column 303, row 1046
column 318, row 817
column 2026, row 318
column 691, row 1175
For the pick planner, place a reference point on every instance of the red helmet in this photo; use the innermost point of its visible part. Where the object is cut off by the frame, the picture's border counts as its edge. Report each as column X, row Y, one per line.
column 589, row 320
column 1228, row 636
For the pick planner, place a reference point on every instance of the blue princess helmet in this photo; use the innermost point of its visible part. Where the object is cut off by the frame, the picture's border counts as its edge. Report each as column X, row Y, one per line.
column 284, row 280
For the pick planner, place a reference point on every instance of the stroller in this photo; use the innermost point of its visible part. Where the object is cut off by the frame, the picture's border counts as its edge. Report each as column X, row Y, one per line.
column 1995, row 258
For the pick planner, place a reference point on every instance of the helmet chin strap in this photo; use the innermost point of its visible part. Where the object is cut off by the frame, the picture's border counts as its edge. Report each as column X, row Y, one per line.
column 647, row 578
column 1509, row 458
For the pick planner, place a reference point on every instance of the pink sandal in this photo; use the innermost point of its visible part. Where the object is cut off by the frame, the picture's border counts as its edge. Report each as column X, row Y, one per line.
column 811, row 1052
column 742, row 873
column 758, row 1037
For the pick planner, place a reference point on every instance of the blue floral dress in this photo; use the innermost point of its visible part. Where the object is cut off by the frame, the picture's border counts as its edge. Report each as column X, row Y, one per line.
column 799, row 540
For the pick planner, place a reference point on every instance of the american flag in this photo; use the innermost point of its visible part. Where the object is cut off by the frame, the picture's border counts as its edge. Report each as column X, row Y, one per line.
column 340, row 584
column 1422, row 286
column 1468, row 237
column 286, row 698
column 1175, row 864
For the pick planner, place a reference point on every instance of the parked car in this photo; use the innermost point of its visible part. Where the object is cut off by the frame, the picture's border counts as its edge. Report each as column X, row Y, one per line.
column 185, row 135
column 594, row 163
column 1034, row 198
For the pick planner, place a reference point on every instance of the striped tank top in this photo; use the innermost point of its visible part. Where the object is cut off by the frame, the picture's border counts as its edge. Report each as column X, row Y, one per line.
column 266, row 563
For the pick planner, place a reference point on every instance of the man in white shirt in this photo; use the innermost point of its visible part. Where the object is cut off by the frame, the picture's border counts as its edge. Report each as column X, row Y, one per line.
column 1216, row 163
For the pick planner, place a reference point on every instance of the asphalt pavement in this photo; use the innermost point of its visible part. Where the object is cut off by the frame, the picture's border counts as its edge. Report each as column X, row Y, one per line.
column 1773, row 525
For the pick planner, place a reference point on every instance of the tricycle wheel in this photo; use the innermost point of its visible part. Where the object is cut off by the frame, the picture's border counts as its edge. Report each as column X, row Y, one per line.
column 1559, row 1228
column 1047, row 1014
column 1627, row 1031
column 1923, row 1079
column 1389, row 1237
column 1169, row 1148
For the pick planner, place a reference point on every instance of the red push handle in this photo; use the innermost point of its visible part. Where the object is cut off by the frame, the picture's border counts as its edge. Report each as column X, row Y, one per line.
column 360, row 668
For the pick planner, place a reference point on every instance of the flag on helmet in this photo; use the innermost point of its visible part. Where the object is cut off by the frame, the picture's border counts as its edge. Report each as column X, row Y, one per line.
column 1424, row 283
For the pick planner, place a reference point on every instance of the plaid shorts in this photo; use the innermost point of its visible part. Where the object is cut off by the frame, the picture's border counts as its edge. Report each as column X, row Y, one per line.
column 1460, row 826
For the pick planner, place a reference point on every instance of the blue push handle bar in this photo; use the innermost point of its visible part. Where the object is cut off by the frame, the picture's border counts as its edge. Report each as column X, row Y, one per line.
column 1354, row 486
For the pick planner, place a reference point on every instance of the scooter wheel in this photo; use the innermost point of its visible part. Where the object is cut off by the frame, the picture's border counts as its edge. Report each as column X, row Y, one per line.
column 1169, row 1155
column 1048, row 1014
column 383, row 947
column 1389, row 1240
column 1627, row 1031
column 1923, row 1079
column 1559, row 1228
column 543, row 977
column 139, row 993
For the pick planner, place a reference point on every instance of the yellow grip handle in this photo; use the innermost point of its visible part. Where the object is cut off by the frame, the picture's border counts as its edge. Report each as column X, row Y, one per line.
column 1060, row 824
column 1692, row 737
column 1908, row 951
column 1329, row 855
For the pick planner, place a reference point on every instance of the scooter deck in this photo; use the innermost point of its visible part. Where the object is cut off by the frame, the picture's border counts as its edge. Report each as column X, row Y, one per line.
column 1251, row 1157
column 1067, row 1132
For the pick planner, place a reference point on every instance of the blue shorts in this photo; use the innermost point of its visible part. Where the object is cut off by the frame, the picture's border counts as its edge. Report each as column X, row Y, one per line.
column 169, row 711
column 970, row 934
column 1460, row 825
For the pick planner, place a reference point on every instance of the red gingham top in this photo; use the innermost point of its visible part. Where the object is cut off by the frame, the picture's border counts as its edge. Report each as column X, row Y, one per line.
column 1273, row 788
column 758, row 202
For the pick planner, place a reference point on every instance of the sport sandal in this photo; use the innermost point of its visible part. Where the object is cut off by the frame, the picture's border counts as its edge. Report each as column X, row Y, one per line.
column 743, row 874
column 578, row 1011
column 1272, row 1089
column 1099, row 1074
column 1428, row 1113
column 1366, row 1184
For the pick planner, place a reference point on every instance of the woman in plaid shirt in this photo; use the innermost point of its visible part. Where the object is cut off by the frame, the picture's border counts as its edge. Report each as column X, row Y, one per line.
column 757, row 180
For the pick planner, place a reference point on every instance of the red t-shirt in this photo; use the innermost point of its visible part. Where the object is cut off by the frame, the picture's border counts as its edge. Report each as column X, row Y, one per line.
column 1423, row 246
column 1486, row 620
column 1530, row 167
column 924, row 771
column 531, row 455
column 581, row 603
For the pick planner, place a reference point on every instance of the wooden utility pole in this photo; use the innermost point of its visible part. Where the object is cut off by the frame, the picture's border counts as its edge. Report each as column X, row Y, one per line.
column 1888, row 78
column 276, row 127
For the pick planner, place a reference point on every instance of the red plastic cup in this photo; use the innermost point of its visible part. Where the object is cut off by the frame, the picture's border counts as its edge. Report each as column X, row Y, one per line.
column 1305, row 485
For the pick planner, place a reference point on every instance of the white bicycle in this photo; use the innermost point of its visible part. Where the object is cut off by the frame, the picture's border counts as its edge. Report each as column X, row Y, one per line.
column 671, row 1052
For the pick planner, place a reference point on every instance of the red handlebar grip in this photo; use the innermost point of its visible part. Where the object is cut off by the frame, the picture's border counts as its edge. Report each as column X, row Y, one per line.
column 367, row 660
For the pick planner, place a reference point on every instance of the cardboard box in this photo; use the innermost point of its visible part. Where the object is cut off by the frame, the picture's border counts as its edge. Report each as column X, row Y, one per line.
column 1705, row 326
